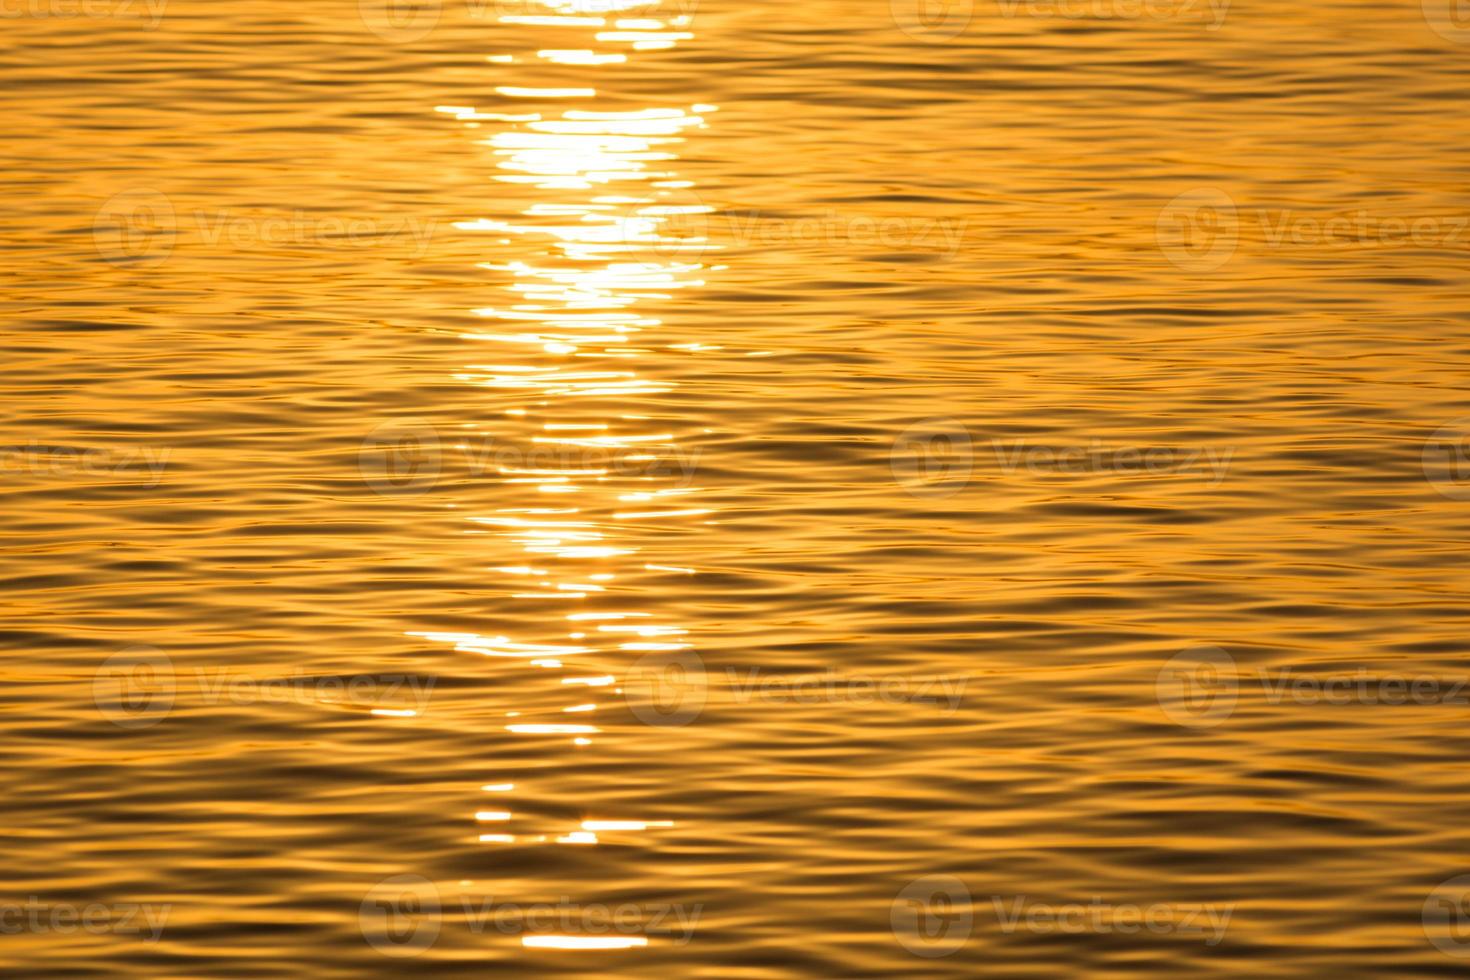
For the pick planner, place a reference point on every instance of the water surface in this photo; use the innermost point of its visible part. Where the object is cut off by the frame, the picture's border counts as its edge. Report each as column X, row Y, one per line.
column 733, row 461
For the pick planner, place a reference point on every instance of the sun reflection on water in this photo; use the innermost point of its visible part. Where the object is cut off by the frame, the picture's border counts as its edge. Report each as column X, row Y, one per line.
column 614, row 229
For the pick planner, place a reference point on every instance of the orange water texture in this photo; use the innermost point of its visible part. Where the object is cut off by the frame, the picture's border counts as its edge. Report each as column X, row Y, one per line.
column 735, row 489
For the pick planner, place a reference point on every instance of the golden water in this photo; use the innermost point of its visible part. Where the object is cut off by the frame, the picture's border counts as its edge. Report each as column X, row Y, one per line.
column 728, row 462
